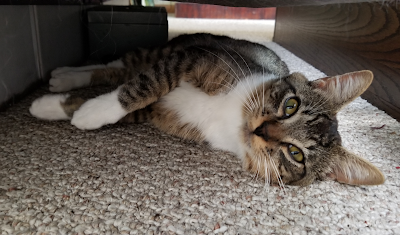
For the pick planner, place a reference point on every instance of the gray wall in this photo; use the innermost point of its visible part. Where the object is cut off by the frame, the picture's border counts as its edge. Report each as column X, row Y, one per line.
column 33, row 41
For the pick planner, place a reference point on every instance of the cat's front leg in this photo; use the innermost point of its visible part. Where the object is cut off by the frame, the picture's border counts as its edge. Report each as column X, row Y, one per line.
column 102, row 110
column 135, row 94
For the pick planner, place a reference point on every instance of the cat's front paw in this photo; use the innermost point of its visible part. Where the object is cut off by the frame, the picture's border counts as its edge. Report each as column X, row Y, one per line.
column 69, row 81
column 97, row 112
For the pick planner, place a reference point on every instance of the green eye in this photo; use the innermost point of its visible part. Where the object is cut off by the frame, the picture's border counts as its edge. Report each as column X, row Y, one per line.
column 296, row 153
column 291, row 106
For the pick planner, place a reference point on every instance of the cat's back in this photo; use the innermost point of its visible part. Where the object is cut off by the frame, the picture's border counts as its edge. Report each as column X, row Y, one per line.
column 250, row 52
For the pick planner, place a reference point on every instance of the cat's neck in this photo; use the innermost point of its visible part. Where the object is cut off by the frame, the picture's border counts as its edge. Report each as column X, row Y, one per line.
column 222, row 126
column 218, row 117
column 230, row 115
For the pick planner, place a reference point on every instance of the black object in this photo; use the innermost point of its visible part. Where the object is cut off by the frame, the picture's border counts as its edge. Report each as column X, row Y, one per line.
column 115, row 30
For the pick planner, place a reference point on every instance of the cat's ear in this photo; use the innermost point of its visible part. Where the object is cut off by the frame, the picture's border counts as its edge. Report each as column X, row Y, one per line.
column 342, row 89
column 352, row 169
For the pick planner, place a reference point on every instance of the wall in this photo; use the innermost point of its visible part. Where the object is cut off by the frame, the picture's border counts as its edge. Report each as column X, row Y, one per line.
column 33, row 41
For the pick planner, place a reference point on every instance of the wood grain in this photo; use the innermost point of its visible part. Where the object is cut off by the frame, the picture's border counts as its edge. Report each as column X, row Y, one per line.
column 347, row 37
column 51, row 2
column 269, row 3
column 190, row 10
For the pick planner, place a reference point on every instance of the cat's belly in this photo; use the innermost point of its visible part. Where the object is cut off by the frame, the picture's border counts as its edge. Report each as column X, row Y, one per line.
column 219, row 117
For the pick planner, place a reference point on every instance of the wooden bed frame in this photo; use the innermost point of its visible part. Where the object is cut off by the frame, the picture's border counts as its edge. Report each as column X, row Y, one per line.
column 339, row 36
column 347, row 37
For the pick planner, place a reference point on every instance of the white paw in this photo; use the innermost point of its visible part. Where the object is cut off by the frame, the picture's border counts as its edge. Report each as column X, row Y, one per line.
column 69, row 81
column 61, row 70
column 49, row 107
column 100, row 111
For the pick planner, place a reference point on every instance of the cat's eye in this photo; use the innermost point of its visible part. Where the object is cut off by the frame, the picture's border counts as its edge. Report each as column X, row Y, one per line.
column 296, row 153
column 291, row 106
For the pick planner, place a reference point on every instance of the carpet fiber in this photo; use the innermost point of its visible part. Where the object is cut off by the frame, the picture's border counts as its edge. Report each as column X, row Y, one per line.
column 133, row 179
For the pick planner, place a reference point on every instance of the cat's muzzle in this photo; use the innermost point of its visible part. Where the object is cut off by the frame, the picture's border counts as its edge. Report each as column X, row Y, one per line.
column 262, row 131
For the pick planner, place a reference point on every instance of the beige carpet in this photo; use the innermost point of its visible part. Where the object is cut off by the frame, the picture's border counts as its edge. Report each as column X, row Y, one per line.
column 133, row 179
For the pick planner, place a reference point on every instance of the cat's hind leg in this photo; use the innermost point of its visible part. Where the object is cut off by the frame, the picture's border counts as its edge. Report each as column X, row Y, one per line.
column 69, row 78
column 90, row 114
column 84, row 114
column 55, row 107
column 113, row 64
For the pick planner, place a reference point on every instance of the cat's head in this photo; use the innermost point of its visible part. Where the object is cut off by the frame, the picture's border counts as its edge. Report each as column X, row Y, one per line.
column 292, row 134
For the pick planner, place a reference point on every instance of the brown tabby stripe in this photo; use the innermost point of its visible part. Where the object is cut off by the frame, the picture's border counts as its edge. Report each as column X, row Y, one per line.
column 149, row 86
column 110, row 76
column 139, row 116
column 71, row 104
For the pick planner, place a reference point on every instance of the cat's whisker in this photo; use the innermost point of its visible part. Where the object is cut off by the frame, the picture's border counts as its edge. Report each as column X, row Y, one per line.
column 243, row 61
column 258, row 167
column 280, row 182
column 236, row 75
column 237, row 78
column 247, row 105
column 244, row 75
column 315, row 106
column 318, row 105
column 266, row 175
column 253, row 100
column 232, row 88
column 263, row 98
column 252, row 91
column 318, row 112
column 258, row 97
column 226, row 71
column 323, row 111
column 258, row 102
column 255, row 176
column 323, row 101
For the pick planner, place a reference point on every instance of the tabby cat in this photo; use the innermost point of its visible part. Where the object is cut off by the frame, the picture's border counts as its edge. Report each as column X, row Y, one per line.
column 235, row 95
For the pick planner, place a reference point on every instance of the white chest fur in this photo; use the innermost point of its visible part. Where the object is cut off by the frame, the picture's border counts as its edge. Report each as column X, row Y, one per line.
column 218, row 117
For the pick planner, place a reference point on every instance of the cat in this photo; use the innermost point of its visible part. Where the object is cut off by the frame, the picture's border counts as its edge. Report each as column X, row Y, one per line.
column 233, row 94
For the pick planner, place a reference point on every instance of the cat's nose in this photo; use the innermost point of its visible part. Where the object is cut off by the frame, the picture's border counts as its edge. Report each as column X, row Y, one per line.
column 262, row 131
